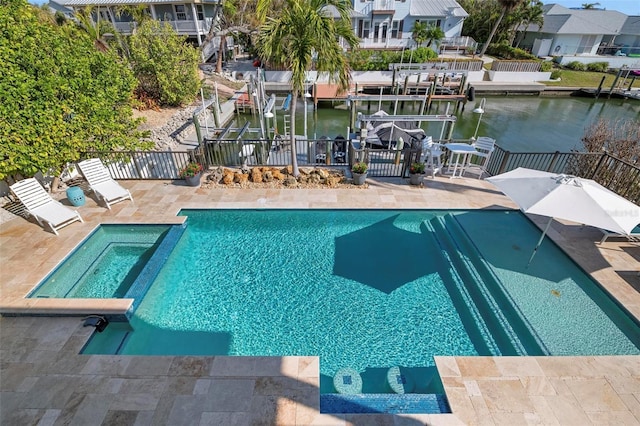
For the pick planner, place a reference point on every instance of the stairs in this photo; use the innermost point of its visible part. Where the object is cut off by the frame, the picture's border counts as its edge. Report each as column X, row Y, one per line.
column 485, row 307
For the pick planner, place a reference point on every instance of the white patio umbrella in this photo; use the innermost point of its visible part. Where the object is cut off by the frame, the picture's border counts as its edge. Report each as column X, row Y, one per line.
column 568, row 197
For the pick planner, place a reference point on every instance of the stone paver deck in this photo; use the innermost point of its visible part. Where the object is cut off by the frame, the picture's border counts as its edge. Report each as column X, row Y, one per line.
column 43, row 379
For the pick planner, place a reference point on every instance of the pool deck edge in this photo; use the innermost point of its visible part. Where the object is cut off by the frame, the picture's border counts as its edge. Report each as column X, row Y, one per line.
column 45, row 380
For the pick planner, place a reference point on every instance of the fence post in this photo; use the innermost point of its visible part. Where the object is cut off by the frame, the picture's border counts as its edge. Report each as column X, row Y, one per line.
column 595, row 170
column 503, row 163
column 554, row 160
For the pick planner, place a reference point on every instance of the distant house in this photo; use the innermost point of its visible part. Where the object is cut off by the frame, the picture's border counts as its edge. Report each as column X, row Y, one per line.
column 56, row 8
column 192, row 18
column 389, row 23
column 629, row 39
column 571, row 33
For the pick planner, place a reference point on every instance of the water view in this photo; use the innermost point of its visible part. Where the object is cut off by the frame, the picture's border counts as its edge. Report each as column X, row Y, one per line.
column 520, row 124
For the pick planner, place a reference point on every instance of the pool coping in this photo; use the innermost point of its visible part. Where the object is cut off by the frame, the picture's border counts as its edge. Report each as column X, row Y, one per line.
column 116, row 307
column 488, row 390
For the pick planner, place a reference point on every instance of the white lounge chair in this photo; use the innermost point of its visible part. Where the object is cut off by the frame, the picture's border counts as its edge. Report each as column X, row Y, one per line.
column 40, row 205
column 102, row 183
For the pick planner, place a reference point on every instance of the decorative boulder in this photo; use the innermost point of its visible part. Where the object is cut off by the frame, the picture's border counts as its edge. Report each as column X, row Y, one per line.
column 256, row 175
column 290, row 181
column 241, row 178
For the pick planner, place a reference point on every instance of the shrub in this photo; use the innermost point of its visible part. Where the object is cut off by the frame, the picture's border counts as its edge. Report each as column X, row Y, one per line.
column 376, row 60
column 417, row 168
column 556, row 74
column 359, row 167
column 505, row 51
column 165, row 65
column 546, row 66
column 190, row 170
column 576, row 66
column 598, row 66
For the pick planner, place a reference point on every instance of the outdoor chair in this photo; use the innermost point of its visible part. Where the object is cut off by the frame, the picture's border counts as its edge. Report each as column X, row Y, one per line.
column 321, row 149
column 101, row 182
column 431, row 155
column 479, row 160
column 633, row 236
column 42, row 207
column 340, row 149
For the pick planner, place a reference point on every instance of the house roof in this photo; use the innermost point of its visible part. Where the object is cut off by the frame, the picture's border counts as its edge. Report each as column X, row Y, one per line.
column 561, row 20
column 631, row 26
column 436, row 8
column 120, row 2
column 334, row 12
column 55, row 7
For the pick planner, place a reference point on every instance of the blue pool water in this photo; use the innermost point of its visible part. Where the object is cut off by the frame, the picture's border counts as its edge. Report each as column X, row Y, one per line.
column 369, row 290
column 105, row 265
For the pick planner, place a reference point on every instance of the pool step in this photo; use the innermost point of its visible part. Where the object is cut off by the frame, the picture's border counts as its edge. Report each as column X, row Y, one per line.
column 384, row 403
column 507, row 307
column 471, row 317
column 451, row 239
column 111, row 339
column 517, row 337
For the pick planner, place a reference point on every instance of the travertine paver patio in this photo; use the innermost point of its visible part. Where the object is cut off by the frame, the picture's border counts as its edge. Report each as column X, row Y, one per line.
column 44, row 381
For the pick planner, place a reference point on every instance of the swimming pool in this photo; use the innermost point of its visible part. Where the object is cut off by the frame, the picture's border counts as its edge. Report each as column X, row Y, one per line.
column 370, row 289
column 106, row 264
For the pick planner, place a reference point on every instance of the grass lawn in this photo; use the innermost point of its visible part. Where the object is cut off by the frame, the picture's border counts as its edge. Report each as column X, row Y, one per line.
column 582, row 79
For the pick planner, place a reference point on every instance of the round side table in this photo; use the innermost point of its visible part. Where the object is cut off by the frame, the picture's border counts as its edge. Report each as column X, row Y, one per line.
column 75, row 195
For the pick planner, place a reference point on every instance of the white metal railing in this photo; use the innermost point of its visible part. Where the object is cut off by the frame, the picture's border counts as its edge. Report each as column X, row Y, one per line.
column 182, row 27
column 383, row 5
column 458, row 41
column 370, row 43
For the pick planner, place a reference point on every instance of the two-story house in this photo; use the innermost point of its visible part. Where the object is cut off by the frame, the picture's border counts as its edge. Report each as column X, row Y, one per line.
column 192, row 18
column 389, row 23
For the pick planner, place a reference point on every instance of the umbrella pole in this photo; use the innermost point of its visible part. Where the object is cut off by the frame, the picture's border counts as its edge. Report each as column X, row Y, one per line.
column 535, row 250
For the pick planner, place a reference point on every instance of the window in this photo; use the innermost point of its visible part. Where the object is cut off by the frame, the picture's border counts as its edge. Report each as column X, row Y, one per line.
column 200, row 12
column 395, row 29
column 366, row 27
column 181, row 12
column 103, row 15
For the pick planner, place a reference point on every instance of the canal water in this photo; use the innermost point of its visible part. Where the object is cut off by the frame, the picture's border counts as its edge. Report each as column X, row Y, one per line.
column 519, row 124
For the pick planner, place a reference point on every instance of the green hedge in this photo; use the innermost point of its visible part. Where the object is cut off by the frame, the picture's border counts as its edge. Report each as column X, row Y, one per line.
column 505, row 51
column 576, row 66
column 379, row 60
column 598, row 66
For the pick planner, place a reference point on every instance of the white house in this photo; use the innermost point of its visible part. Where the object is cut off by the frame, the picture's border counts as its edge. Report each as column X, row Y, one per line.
column 388, row 23
column 192, row 18
column 629, row 39
column 585, row 35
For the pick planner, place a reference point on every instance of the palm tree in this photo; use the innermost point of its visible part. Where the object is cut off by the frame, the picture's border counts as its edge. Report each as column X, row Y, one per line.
column 419, row 32
column 532, row 14
column 590, row 5
column 303, row 34
column 95, row 29
column 434, row 33
column 507, row 6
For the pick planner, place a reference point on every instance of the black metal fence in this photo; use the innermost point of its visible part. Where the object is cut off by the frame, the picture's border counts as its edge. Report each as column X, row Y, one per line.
column 617, row 175
column 611, row 172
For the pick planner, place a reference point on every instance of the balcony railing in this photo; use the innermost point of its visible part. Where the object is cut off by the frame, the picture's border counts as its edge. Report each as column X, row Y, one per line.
column 181, row 27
